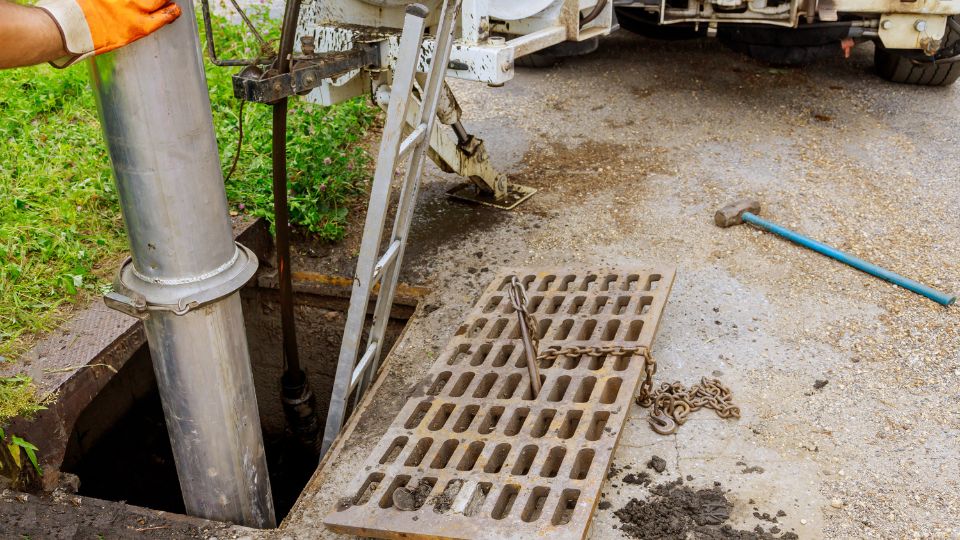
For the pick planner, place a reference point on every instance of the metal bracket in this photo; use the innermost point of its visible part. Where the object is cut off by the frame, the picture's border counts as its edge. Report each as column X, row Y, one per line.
column 255, row 84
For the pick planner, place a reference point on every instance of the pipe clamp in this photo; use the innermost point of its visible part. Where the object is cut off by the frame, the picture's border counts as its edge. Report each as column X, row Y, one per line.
column 137, row 297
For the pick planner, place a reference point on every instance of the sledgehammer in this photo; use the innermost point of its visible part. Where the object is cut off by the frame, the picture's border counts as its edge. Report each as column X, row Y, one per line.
column 747, row 210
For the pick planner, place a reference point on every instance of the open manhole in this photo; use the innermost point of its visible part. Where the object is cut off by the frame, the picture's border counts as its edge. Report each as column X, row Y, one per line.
column 119, row 446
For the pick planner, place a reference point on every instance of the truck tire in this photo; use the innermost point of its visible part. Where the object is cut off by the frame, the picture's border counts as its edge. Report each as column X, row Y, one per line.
column 551, row 55
column 640, row 22
column 911, row 67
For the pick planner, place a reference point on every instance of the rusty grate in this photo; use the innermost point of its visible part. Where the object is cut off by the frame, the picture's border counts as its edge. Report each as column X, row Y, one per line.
column 482, row 458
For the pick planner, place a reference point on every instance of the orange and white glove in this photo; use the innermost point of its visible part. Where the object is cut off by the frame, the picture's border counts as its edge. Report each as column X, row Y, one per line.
column 91, row 27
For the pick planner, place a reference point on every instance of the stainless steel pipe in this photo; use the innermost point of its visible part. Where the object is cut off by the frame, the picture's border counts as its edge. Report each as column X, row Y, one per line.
column 185, row 270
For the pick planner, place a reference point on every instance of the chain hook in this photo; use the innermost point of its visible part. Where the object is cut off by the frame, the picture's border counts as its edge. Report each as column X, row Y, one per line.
column 662, row 423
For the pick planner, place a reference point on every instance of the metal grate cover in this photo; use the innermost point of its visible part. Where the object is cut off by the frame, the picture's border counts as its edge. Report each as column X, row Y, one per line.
column 485, row 460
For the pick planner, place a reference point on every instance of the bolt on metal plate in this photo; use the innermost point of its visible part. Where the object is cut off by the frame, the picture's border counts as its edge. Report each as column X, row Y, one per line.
column 474, row 455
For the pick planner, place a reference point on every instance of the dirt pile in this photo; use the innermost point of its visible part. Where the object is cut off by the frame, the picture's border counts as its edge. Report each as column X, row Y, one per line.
column 678, row 512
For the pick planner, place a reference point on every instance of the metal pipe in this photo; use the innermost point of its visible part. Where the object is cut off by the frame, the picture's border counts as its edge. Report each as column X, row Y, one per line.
column 939, row 297
column 185, row 269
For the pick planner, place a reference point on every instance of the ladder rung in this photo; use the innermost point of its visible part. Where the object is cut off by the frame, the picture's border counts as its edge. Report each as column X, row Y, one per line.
column 362, row 365
column 412, row 139
column 385, row 261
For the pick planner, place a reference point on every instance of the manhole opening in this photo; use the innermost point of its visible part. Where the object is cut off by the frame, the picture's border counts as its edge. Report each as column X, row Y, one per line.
column 119, row 446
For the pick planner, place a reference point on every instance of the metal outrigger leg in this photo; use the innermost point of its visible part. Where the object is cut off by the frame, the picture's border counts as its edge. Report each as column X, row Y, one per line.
column 372, row 268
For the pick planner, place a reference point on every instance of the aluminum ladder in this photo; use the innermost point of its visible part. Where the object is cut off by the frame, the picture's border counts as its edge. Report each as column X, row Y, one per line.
column 372, row 267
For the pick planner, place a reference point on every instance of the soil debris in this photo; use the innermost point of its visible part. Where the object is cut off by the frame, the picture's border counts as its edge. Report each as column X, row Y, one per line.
column 443, row 501
column 638, row 479
column 819, row 383
column 657, row 463
column 677, row 512
column 604, row 505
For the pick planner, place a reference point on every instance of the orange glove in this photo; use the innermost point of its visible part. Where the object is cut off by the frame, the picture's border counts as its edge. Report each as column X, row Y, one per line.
column 91, row 27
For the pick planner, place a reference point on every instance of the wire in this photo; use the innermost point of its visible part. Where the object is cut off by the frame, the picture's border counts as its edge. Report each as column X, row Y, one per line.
column 236, row 155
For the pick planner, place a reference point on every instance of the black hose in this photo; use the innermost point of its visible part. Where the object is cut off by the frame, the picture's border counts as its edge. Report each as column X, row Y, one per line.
column 298, row 401
column 597, row 10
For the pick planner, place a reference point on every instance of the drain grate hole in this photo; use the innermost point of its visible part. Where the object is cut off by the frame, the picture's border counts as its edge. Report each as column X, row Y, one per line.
column 565, row 282
column 569, row 425
column 571, row 361
column 622, row 362
column 598, row 304
column 566, row 506
column 644, row 307
column 394, row 450
column 369, row 486
column 585, row 390
column 633, row 332
column 481, row 354
column 476, row 328
column 587, row 329
column 443, row 414
column 546, row 282
column 620, row 306
column 587, row 281
column 528, row 393
column 486, row 383
column 444, row 454
column 533, row 304
column 490, row 421
column 581, row 464
column 508, row 495
column 576, row 305
column 553, row 306
column 610, row 390
column 462, row 383
column 534, row 507
column 563, row 330
column 527, row 280
column 559, row 388
column 387, row 500
column 595, row 429
column 509, row 386
column 610, row 330
column 477, row 499
column 497, row 329
column 516, row 421
column 502, row 356
column 554, row 459
column 607, row 282
column 542, row 425
column 443, row 502
column 459, row 354
column 525, row 460
column 466, row 418
column 596, row 362
column 418, row 415
column 419, row 451
column 429, row 483
column 439, row 383
column 492, row 304
column 632, row 283
column 471, row 456
column 653, row 282
column 499, row 455
column 543, row 327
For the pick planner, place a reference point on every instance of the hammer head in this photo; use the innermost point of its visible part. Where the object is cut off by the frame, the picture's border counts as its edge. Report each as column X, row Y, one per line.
column 732, row 214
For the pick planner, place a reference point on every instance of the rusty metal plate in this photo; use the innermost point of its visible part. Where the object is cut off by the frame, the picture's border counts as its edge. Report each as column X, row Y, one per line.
column 477, row 456
column 516, row 194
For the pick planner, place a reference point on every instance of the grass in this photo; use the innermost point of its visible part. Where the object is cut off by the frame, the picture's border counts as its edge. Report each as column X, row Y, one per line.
column 61, row 233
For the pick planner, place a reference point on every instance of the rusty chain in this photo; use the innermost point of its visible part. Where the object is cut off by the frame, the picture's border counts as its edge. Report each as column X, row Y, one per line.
column 669, row 405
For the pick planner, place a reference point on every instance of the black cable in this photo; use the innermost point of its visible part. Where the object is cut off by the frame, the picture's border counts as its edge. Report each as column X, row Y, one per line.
column 236, row 155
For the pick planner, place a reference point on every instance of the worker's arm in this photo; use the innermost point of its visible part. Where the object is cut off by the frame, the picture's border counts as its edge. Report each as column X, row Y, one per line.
column 64, row 31
column 27, row 36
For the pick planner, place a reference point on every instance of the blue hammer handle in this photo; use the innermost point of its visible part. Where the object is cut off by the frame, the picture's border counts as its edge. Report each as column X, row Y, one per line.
column 860, row 264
